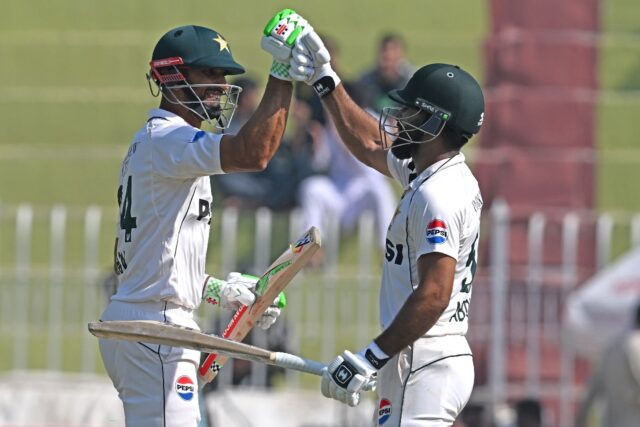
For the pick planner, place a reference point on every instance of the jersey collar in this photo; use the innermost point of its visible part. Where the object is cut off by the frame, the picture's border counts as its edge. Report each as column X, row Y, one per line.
column 159, row 112
column 436, row 167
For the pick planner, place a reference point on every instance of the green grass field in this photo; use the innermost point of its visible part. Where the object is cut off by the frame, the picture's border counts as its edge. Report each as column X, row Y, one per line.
column 73, row 93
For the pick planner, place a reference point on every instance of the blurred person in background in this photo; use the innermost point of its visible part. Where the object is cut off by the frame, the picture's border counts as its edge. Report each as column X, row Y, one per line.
column 276, row 186
column 528, row 413
column 473, row 415
column 616, row 382
column 391, row 71
column 421, row 364
column 346, row 188
column 164, row 199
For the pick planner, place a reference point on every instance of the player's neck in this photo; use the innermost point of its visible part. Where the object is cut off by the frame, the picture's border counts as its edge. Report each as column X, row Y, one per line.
column 429, row 153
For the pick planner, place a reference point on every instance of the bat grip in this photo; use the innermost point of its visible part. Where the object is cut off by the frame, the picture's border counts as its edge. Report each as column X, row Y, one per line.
column 297, row 363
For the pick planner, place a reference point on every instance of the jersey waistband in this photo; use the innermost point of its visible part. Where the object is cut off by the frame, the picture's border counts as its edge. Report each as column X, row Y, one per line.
column 161, row 311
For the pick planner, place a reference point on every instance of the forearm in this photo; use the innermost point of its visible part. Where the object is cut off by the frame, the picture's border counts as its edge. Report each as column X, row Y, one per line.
column 260, row 137
column 418, row 314
column 357, row 128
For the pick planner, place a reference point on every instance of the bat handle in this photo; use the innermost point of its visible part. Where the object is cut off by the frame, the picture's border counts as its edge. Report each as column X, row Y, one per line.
column 297, row 363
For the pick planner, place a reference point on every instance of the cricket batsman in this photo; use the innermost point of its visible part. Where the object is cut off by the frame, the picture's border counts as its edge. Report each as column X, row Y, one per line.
column 164, row 198
column 421, row 359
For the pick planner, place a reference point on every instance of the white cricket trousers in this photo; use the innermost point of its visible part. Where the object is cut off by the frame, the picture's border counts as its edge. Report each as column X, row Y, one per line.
column 425, row 385
column 158, row 384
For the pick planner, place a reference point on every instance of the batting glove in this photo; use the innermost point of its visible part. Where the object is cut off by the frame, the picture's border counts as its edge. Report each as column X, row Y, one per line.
column 270, row 316
column 311, row 63
column 280, row 35
column 232, row 293
column 347, row 376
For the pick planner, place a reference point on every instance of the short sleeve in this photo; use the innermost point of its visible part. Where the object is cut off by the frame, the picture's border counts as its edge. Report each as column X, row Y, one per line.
column 399, row 168
column 435, row 225
column 186, row 152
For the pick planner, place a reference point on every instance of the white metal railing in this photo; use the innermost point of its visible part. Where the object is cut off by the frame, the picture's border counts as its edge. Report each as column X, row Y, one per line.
column 49, row 291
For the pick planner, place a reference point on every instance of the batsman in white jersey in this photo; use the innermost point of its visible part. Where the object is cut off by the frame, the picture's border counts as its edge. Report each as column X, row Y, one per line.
column 164, row 199
column 421, row 361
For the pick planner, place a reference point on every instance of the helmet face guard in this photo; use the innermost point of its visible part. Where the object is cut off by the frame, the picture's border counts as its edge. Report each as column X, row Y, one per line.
column 417, row 124
column 218, row 112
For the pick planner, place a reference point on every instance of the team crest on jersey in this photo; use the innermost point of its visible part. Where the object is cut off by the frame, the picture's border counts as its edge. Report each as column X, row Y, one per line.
column 384, row 411
column 437, row 232
column 185, row 388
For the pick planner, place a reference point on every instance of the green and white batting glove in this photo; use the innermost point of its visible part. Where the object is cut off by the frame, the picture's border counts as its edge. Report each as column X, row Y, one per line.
column 311, row 63
column 232, row 293
column 279, row 37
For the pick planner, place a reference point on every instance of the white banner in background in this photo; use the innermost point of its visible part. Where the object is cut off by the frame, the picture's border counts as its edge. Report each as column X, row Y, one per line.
column 604, row 306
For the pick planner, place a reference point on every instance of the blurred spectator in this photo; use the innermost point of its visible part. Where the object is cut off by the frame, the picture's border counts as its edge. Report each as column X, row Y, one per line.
column 528, row 413
column 392, row 71
column 347, row 190
column 471, row 416
column 616, row 381
column 276, row 186
column 346, row 187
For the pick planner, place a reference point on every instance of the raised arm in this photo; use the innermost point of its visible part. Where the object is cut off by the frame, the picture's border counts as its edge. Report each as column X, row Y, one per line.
column 257, row 141
column 311, row 63
column 357, row 128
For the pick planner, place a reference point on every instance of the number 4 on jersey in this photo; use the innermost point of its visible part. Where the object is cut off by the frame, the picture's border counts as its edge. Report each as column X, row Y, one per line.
column 127, row 222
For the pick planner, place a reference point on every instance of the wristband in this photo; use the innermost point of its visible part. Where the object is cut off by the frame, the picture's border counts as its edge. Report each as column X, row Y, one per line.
column 326, row 84
column 374, row 355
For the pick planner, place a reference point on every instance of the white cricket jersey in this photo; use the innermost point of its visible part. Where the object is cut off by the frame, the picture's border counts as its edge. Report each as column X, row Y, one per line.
column 438, row 212
column 164, row 199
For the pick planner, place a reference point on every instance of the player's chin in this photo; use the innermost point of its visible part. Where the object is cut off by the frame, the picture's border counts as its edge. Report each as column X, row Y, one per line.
column 213, row 111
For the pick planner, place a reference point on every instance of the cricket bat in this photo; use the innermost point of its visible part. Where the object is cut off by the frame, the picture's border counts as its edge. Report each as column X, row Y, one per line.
column 153, row 332
column 269, row 286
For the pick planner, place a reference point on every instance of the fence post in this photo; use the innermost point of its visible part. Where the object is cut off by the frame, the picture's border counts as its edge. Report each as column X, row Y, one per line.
column 570, row 236
column 635, row 231
column 604, row 230
column 328, row 312
column 262, row 255
column 24, row 225
column 499, row 280
column 228, row 237
column 92, row 219
column 56, row 292
column 537, row 223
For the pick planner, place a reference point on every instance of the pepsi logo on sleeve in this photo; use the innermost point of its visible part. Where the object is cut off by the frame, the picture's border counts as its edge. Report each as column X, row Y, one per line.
column 437, row 232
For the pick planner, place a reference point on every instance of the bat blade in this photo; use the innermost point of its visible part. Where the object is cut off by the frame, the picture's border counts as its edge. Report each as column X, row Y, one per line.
column 272, row 282
column 152, row 332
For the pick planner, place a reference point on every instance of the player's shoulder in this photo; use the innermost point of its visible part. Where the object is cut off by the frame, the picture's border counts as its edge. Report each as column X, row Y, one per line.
column 451, row 187
column 168, row 128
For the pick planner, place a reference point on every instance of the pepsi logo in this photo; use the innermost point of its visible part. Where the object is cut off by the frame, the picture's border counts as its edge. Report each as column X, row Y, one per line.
column 185, row 387
column 436, row 232
column 384, row 411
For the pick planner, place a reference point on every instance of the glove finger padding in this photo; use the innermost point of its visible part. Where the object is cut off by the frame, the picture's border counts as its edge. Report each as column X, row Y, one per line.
column 317, row 48
column 269, row 317
column 235, row 295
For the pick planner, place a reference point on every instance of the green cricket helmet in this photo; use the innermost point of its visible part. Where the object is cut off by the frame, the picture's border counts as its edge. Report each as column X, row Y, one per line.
column 437, row 95
column 195, row 47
